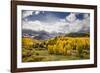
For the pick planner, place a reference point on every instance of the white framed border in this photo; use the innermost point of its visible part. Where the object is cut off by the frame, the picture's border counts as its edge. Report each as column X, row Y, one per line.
column 53, row 63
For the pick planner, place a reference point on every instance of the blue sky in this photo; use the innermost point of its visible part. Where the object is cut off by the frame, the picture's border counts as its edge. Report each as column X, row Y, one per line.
column 60, row 22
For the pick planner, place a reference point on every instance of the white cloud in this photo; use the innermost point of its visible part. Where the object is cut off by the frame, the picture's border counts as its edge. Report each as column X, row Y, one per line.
column 27, row 13
column 32, row 25
column 75, row 26
column 86, row 22
column 61, row 26
column 37, row 12
column 37, row 26
column 71, row 17
column 86, row 15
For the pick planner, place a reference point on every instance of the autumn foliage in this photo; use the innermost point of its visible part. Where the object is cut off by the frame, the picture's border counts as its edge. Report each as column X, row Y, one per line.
column 69, row 45
column 38, row 50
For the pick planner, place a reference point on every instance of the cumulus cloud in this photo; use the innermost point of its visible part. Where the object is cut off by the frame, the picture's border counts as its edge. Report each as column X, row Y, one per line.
column 27, row 13
column 86, row 22
column 67, row 25
column 71, row 17
column 86, row 15
column 76, row 25
column 37, row 12
column 38, row 26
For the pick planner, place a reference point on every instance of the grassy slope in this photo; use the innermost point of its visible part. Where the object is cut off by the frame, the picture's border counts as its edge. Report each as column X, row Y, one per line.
column 43, row 55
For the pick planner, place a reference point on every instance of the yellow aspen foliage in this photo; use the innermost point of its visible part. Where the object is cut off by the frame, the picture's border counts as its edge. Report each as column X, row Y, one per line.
column 65, row 45
column 27, row 43
column 50, row 49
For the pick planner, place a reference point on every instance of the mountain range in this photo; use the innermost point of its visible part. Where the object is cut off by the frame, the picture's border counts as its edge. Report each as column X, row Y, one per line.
column 43, row 35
